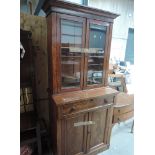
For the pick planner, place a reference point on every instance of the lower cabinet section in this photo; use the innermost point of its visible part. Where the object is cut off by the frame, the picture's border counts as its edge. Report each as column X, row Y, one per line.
column 87, row 132
column 82, row 130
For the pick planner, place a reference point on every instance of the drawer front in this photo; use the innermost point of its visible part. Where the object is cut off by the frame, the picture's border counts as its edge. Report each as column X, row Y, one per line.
column 124, row 109
column 123, row 117
column 84, row 105
column 109, row 99
column 74, row 107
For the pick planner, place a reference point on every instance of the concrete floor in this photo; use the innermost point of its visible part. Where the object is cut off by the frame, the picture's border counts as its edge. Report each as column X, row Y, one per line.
column 122, row 141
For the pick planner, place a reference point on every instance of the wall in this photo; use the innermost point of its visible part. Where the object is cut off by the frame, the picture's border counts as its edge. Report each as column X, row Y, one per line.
column 37, row 25
column 121, row 24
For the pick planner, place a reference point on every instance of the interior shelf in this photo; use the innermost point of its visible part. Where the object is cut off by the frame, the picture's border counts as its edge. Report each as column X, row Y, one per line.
column 95, row 65
column 96, row 56
column 70, row 63
column 70, row 56
column 73, row 35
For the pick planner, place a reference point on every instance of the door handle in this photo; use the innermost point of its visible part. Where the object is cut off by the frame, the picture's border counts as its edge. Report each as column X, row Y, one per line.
column 84, row 123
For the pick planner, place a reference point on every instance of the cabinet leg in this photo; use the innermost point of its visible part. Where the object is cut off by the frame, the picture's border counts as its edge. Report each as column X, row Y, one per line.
column 132, row 127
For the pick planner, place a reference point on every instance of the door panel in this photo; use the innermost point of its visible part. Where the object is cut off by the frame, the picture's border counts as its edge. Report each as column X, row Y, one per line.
column 98, row 129
column 75, row 135
column 97, row 39
column 72, row 42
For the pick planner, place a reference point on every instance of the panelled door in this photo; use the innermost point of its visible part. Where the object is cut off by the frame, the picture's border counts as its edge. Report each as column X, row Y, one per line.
column 99, row 132
column 86, row 132
column 74, row 134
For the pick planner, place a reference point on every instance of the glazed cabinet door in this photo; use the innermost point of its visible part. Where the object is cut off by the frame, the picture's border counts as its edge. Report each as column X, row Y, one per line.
column 99, row 132
column 97, row 50
column 74, row 135
column 71, row 37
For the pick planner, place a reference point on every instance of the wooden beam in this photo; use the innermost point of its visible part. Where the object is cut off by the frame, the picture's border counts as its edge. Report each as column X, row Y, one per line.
column 39, row 6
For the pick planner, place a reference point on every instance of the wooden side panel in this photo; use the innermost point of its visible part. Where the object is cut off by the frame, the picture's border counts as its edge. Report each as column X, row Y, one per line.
column 52, row 52
column 37, row 25
column 43, row 110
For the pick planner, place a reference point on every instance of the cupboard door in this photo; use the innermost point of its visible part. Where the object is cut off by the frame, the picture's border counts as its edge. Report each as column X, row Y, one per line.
column 72, row 38
column 97, row 44
column 99, row 132
column 74, row 133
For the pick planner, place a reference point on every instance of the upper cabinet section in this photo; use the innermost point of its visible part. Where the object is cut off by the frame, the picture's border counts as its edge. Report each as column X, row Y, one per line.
column 79, row 40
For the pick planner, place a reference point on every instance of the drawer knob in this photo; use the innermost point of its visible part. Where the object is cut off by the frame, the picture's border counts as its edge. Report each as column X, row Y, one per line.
column 105, row 101
column 91, row 100
column 73, row 108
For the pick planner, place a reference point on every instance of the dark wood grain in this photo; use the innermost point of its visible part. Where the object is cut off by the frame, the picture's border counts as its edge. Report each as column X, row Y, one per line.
column 80, row 20
column 69, row 97
column 93, row 105
column 80, row 117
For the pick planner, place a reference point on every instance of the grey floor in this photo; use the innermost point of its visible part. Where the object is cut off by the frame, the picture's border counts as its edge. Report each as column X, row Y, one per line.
column 122, row 141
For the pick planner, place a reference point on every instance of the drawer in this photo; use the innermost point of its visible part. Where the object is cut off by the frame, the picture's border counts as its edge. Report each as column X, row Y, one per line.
column 109, row 99
column 74, row 107
column 123, row 109
column 123, row 117
column 84, row 105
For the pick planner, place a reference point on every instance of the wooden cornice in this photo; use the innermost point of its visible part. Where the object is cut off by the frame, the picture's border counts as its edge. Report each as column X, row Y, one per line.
column 71, row 8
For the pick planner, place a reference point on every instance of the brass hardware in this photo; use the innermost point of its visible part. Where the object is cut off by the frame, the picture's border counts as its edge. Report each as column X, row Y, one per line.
column 83, row 123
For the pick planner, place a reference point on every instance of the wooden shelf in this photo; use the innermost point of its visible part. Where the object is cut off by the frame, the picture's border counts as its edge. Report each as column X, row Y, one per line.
column 70, row 77
column 73, row 35
column 27, row 120
column 95, row 64
column 70, row 47
column 96, row 56
column 70, row 56
column 25, row 84
column 70, row 63
column 71, row 25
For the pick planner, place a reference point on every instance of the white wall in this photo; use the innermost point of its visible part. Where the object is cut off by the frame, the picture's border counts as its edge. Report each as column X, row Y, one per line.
column 121, row 24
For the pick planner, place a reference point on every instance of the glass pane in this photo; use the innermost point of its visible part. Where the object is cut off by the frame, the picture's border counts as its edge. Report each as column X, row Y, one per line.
column 71, row 48
column 96, row 54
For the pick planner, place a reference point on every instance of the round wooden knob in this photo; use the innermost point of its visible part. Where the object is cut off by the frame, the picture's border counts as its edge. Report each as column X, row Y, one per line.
column 73, row 108
column 91, row 100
